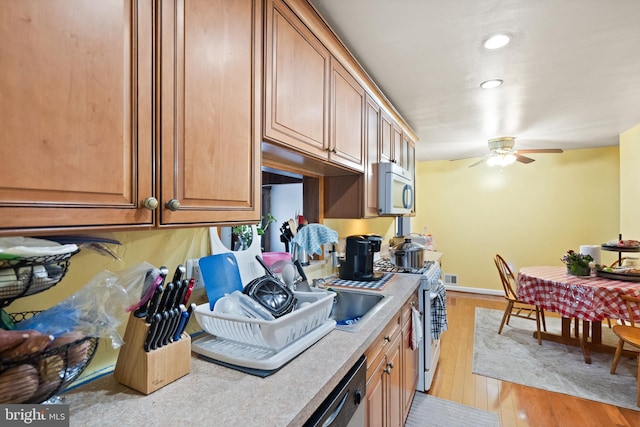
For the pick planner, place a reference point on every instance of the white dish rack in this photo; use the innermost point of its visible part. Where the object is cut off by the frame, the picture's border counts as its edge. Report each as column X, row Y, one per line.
column 314, row 309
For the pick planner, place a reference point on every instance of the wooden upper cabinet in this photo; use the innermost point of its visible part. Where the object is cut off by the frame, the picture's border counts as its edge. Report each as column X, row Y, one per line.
column 347, row 118
column 107, row 107
column 386, row 138
column 409, row 154
column 396, row 138
column 209, row 110
column 372, row 143
column 75, row 114
column 297, row 75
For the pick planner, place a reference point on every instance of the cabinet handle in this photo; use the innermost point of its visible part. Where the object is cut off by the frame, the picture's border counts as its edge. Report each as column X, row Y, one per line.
column 387, row 338
column 173, row 205
column 150, row 203
column 333, row 150
column 387, row 370
column 390, row 365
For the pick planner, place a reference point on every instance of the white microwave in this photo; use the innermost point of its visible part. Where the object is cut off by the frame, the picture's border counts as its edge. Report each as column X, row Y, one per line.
column 395, row 190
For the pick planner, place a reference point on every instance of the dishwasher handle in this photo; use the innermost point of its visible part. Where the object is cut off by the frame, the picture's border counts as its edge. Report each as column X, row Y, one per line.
column 337, row 411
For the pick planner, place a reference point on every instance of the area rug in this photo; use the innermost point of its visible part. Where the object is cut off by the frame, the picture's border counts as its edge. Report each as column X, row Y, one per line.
column 516, row 357
column 432, row 411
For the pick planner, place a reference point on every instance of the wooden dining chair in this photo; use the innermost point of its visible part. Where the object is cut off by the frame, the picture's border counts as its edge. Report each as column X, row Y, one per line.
column 628, row 333
column 516, row 307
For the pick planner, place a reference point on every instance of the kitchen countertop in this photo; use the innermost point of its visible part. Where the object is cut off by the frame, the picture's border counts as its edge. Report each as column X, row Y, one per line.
column 214, row 395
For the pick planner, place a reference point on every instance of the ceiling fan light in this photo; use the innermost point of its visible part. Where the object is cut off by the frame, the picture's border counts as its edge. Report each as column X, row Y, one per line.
column 490, row 84
column 497, row 41
column 501, row 160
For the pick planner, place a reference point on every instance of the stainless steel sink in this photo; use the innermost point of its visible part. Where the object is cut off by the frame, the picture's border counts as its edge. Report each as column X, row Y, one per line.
column 351, row 308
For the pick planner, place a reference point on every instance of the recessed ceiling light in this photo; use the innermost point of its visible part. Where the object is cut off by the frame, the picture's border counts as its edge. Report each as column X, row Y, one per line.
column 497, row 41
column 490, row 84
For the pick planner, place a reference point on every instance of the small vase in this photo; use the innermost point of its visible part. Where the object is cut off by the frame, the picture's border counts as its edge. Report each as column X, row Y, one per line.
column 578, row 270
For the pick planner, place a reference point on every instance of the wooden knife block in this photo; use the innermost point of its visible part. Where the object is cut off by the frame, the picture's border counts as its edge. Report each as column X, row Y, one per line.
column 149, row 371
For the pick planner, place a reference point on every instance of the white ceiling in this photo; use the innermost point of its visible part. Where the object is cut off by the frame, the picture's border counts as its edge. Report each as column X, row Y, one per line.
column 571, row 72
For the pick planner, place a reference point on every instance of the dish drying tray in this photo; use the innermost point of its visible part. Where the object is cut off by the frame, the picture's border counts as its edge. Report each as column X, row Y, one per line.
column 265, row 344
column 249, row 356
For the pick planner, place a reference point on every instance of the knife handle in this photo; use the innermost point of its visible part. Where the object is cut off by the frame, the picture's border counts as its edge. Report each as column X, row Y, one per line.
column 155, row 342
column 151, row 281
column 167, row 333
column 174, row 302
column 192, row 282
column 152, row 332
column 181, row 270
column 153, row 303
column 182, row 320
column 175, row 319
column 168, row 290
column 183, row 291
column 188, row 317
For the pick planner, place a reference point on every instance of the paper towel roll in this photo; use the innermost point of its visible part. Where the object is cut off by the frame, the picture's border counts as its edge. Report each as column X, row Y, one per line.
column 593, row 250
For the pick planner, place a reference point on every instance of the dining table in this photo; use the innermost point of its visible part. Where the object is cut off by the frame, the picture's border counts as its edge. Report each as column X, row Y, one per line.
column 587, row 299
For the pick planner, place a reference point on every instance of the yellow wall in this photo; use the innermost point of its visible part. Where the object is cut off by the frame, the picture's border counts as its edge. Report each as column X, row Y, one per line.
column 530, row 214
column 630, row 183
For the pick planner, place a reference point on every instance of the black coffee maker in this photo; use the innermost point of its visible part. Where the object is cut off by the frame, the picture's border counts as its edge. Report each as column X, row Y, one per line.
column 358, row 260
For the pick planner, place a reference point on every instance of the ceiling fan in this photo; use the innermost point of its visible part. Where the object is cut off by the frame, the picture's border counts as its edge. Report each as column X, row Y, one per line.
column 501, row 152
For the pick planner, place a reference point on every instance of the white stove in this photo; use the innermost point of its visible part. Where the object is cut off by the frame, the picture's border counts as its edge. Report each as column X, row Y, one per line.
column 432, row 306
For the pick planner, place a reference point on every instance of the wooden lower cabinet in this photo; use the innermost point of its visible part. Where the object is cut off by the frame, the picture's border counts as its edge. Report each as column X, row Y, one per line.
column 392, row 372
column 409, row 359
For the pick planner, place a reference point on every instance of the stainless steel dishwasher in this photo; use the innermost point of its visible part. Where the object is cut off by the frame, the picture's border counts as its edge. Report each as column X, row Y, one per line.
column 345, row 404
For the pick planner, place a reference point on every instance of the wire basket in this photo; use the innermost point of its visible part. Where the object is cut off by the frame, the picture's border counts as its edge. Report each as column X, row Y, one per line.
column 35, row 378
column 271, row 334
column 21, row 277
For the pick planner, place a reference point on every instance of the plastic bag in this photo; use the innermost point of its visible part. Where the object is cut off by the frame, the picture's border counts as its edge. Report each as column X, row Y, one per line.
column 99, row 307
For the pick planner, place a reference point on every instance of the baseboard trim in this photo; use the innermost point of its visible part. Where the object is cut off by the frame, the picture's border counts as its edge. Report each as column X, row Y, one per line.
column 474, row 290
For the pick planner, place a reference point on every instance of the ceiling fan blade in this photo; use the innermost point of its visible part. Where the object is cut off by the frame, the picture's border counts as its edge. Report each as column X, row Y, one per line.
column 542, row 150
column 466, row 158
column 523, row 159
column 478, row 162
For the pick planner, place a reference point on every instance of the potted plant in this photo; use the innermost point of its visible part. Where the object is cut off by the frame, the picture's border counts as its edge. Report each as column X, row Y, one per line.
column 243, row 235
column 577, row 264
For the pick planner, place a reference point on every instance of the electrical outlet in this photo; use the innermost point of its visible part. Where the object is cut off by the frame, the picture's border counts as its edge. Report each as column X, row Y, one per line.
column 193, row 270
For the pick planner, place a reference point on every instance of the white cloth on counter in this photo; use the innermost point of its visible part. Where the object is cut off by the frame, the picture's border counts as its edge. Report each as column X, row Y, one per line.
column 30, row 247
column 311, row 237
column 416, row 328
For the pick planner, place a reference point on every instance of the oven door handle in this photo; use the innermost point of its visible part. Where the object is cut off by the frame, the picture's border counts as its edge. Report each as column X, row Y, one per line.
column 337, row 411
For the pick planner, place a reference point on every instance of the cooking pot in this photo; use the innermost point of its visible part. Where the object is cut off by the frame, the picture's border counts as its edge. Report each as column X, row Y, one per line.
column 408, row 254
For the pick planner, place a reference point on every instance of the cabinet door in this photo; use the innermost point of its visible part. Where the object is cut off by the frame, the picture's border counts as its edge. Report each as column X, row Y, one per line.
column 386, row 138
column 210, row 74
column 75, row 114
column 376, row 396
column 409, row 370
column 347, row 118
column 296, row 104
column 396, row 138
column 394, row 390
column 372, row 140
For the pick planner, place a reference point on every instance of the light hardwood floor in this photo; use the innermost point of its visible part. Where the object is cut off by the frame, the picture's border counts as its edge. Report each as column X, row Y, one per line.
column 516, row 405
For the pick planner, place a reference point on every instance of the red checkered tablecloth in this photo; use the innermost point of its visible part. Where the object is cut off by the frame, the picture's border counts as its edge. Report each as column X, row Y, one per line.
column 587, row 298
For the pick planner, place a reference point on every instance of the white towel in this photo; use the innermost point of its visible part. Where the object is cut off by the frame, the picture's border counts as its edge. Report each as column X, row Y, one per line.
column 416, row 328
